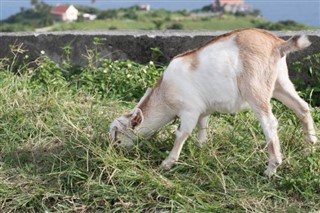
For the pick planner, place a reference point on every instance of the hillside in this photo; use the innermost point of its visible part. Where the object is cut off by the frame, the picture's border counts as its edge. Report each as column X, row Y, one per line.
column 39, row 19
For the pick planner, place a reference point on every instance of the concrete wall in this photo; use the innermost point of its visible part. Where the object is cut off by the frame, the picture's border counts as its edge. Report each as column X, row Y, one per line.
column 134, row 45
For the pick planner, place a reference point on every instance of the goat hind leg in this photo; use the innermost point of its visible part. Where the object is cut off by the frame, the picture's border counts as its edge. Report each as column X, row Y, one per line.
column 286, row 93
column 202, row 130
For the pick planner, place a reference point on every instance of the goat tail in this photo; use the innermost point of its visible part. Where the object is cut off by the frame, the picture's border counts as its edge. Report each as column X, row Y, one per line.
column 295, row 43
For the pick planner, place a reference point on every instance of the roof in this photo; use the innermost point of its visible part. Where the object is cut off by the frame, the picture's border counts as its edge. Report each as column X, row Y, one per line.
column 231, row 2
column 60, row 9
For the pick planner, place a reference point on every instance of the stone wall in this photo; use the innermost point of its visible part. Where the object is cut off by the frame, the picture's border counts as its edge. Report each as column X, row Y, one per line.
column 118, row 45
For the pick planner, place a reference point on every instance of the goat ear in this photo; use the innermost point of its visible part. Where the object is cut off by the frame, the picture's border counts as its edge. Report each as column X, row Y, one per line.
column 148, row 91
column 136, row 118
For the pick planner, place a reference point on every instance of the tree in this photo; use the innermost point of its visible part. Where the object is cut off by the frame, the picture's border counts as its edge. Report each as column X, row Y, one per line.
column 158, row 24
column 34, row 4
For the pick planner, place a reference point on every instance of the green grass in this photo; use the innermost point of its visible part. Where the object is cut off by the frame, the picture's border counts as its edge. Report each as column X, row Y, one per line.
column 144, row 22
column 211, row 24
column 56, row 156
column 105, row 24
column 131, row 18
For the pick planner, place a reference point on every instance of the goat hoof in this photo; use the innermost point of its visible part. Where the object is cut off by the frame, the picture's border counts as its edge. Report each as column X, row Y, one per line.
column 269, row 172
column 201, row 144
column 312, row 139
column 167, row 164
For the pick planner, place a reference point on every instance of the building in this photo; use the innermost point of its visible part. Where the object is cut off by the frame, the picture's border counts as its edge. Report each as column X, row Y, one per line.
column 144, row 7
column 230, row 6
column 64, row 13
column 90, row 17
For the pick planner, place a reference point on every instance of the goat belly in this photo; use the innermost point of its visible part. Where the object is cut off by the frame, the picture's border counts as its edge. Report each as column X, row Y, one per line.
column 233, row 106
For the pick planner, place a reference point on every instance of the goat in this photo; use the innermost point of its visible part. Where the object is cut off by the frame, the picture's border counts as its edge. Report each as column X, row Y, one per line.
column 240, row 69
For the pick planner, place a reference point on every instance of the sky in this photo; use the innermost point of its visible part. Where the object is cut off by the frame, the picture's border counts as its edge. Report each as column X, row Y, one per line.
column 305, row 11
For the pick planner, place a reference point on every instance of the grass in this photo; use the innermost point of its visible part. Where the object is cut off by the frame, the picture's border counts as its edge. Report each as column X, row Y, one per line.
column 214, row 23
column 56, row 157
column 131, row 18
column 145, row 22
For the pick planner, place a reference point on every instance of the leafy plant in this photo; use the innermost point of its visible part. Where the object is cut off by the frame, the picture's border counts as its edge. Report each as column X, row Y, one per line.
column 125, row 80
column 48, row 74
column 308, row 78
column 176, row 26
column 304, row 175
column 280, row 25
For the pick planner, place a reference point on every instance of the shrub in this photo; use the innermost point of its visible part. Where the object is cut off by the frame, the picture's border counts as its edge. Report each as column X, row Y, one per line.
column 308, row 79
column 131, row 14
column 176, row 26
column 304, row 175
column 48, row 74
column 281, row 25
column 108, row 14
column 124, row 80
column 158, row 24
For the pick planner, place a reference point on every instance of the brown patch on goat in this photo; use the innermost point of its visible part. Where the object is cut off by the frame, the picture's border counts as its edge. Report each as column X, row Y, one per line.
column 259, row 55
column 144, row 105
column 191, row 56
column 194, row 63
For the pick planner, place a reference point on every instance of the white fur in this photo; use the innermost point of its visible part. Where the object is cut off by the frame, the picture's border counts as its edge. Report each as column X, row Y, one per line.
column 303, row 42
column 213, row 86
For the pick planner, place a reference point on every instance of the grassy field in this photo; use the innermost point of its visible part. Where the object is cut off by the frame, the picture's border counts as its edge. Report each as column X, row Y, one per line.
column 146, row 23
column 133, row 18
column 56, row 155
column 178, row 20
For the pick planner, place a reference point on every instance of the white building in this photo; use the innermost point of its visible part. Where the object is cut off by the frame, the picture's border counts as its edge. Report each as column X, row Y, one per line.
column 90, row 17
column 231, row 6
column 64, row 13
column 144, row 7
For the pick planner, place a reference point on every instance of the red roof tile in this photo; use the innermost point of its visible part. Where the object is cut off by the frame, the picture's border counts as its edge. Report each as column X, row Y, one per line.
column 60, row 9
column 231, row 2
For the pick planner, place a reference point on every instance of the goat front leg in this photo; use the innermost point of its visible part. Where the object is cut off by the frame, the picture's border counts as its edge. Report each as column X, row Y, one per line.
column 188, row 122
column 269, row 126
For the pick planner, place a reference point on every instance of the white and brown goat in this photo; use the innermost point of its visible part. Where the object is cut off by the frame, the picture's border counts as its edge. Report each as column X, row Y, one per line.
column 234, row 71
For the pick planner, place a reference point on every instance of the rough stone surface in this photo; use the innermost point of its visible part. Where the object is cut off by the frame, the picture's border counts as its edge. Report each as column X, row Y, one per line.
column 135, row 45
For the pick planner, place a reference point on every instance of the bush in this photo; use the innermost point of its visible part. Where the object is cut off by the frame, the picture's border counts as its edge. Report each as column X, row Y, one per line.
column 124, row 80
column 308, row 78
column 108, row 14
column 304, row 175
column 281, row 25
column 131, row 14
column 176, row 26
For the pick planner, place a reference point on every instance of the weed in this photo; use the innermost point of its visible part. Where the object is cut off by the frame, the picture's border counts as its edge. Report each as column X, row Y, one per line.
column 309, row 80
